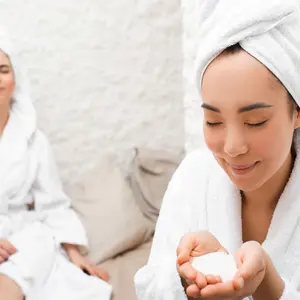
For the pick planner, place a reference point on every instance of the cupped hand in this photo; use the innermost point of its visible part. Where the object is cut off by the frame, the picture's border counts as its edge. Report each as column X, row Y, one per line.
column 251, row 262
column 192, row 245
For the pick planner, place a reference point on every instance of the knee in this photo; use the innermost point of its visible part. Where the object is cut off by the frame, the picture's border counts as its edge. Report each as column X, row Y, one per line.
column 9, row 289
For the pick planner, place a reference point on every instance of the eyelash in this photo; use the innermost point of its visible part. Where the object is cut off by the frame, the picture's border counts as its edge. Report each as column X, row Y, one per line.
column 257, row 124
column 209, row 124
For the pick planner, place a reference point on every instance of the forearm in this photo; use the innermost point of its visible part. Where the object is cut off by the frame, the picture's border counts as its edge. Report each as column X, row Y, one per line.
column 71, row 249
column 272, row 285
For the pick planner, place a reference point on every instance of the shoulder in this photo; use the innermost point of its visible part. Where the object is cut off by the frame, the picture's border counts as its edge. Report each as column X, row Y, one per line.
column 187, row 192
column 199, row 157
column 194, row 171
column 198, row 162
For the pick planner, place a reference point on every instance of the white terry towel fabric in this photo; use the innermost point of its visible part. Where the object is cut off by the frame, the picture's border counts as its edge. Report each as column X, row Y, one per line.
column 28, row 174
column 268, row 30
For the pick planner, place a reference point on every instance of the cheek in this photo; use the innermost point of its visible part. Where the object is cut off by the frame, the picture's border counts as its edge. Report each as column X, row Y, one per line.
column 273, row 143
column 213, row 141
column 9, row 84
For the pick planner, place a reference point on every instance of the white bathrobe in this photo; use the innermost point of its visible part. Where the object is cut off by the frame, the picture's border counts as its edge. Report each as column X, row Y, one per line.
column 201, row 197
column 28, row 176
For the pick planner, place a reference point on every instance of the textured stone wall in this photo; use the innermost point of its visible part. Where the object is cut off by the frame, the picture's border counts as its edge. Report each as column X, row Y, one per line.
column 106, row 75
column 191, row 44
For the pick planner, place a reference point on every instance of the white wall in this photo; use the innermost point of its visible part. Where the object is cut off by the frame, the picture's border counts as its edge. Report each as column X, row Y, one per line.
column 106, row 75
column 191, row 44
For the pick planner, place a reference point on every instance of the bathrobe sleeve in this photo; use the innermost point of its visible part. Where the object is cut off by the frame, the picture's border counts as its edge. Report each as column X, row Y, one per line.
column 291, row 291
column 159, row 279
column 50, row 201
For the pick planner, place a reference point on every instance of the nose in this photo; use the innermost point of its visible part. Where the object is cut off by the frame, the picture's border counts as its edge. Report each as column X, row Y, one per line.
column 235, row 143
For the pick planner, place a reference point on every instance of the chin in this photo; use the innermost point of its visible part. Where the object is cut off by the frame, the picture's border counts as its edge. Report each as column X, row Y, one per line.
column 247, row 188
column 247, row 184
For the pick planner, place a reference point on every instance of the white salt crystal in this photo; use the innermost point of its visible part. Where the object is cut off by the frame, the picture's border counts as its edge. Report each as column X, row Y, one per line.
column 217, row 264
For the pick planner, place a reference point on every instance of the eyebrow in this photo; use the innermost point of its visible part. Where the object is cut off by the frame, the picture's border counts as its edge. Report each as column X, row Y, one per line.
column 243, row 109
column 4, row 66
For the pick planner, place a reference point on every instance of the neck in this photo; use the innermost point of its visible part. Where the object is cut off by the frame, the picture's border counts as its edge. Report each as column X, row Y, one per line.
column 267, row 196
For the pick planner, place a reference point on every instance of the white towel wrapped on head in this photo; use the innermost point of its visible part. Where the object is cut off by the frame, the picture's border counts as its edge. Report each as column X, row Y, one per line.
column 268, row 30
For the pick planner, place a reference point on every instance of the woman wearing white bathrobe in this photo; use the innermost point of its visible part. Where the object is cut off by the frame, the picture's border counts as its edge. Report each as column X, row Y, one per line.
column 40, row 235
column 242, row 194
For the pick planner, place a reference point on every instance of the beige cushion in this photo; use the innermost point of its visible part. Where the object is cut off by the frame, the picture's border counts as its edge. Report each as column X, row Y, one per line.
column 151, row 172
column 106, row 206
column 122, row 269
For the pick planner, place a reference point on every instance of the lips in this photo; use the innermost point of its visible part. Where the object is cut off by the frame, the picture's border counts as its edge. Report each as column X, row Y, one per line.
column 243, row 169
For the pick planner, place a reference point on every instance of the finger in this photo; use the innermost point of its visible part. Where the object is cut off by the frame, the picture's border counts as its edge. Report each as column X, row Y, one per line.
column 200, row 280
column 238, row 260
column 189, row 282
column 193, row 291
column 219, row 279
column 102, row 274
column 186, row 245
column 211, row 279
column 4, row 254
column 238, row 282
column 8, row 246
column 90, row 270
column 187, row 272
column 219, row 289
column 250, row 267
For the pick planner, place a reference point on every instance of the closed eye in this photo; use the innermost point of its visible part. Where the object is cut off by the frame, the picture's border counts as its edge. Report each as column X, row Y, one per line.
column 210, row 124
column 213, row 124
column 257, row 124
column 4, row 69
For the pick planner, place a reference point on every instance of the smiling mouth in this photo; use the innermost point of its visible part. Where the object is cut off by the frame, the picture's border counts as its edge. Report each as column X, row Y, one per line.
column 243, row 169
